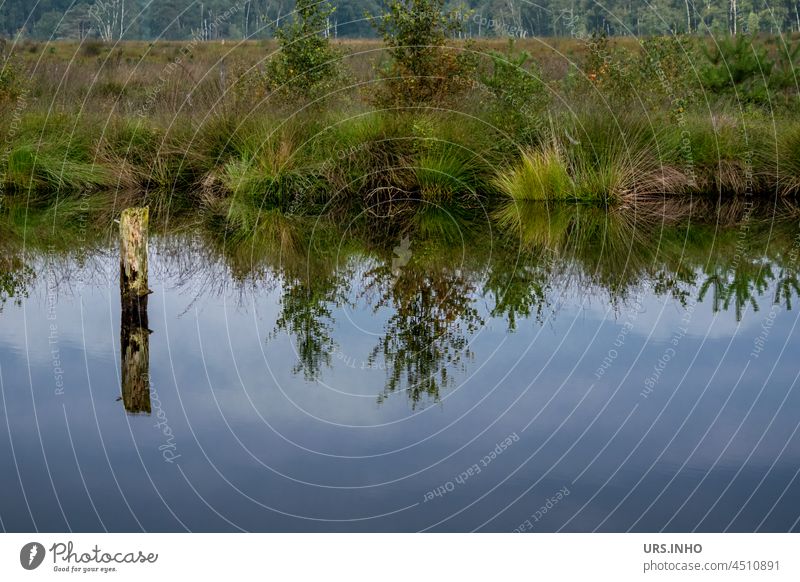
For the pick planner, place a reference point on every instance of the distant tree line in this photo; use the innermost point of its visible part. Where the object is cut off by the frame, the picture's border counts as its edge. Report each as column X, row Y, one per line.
column 257, row 19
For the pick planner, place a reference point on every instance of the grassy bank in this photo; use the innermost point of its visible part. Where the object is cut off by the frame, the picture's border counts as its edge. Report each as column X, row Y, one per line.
column 574, row 120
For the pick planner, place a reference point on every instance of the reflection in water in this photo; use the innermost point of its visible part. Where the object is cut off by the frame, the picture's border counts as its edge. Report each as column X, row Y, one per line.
column 134, row 290
column 672, row 250
column 532, row 311
column 135, row 355
column 432, row 320
column 787, row 284
column 15, row 277
column 727, row 256
column 306, row 316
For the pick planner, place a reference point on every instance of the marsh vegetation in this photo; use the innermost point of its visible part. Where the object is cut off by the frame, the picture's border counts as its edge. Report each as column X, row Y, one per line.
column 255, row 133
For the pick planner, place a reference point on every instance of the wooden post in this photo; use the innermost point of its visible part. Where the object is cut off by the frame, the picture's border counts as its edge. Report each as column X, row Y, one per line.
column 135, row 357
column 133, row 253
column 134, row 332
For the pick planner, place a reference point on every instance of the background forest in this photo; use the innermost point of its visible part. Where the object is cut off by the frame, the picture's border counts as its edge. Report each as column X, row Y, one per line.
column 236, row 19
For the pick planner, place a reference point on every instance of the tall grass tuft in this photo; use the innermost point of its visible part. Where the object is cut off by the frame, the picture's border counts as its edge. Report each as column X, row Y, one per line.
column 539, row 175
column 615, row 157
column 53, row 167
column 447, row 172
column 787, row 173
column 269, row 174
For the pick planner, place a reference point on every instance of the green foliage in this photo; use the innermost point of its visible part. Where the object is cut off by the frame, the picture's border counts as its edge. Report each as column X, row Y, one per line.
column 306, row 66
column 447, row 172
column 10, row 82
column 520, row 94
column 56, row 167
column 422, row 69
column 49, row 155
column 753, row 23
column 15, row 278
column 736, row 67
column 269, row 174
column 666, row 76
column 609, row 68
column 658, row 77
column 539, row 175
column 784, row 77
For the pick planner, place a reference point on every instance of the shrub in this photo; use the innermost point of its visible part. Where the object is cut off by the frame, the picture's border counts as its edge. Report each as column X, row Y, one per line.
column 422, row 69
column 306, row 66
column 665, row 73
column 737, row 67
column 10, row 85
column 92, row 47
column 609, row 69
column 520, row 94
column 659, row 76
column 783, row 77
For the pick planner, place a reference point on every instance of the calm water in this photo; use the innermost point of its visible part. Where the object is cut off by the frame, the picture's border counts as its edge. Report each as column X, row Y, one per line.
column 579, row 377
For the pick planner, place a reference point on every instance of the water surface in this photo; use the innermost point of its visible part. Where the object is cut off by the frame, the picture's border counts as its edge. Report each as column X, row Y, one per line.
column 591, row 372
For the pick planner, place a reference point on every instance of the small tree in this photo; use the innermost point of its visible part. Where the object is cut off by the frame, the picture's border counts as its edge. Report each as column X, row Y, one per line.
column 737, row 67
column 10, row 78
column 421, row 68
column 307, row 65
column 753, row 24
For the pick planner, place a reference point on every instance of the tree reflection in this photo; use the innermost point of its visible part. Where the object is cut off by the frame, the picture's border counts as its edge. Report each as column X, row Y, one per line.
column 718, row 284
column 740, row 284
column 749, row 282
column 433, row 318
column 15, row 277
column 306, row 315
column 453, row 276
column 786, row 286
column 519, row 288
column 446, row 286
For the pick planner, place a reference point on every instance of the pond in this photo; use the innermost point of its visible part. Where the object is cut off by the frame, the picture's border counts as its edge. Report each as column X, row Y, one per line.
column 593, row 370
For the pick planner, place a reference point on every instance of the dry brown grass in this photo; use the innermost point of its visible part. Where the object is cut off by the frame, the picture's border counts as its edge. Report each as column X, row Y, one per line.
column 165, row 76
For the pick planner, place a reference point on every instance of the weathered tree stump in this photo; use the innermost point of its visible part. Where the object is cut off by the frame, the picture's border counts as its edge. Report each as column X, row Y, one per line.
column 133, row 252
column 134, row 332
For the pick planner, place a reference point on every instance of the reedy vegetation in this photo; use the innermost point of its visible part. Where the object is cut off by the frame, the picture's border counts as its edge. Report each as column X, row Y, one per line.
column 415, row 126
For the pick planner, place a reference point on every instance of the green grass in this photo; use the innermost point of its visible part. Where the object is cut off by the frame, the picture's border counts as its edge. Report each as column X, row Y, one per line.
column 221, row 143
column 784, row 172
column 539, row 175
column 52, row 168
column 52, row 153
column 446, row 172
column 270, row 160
